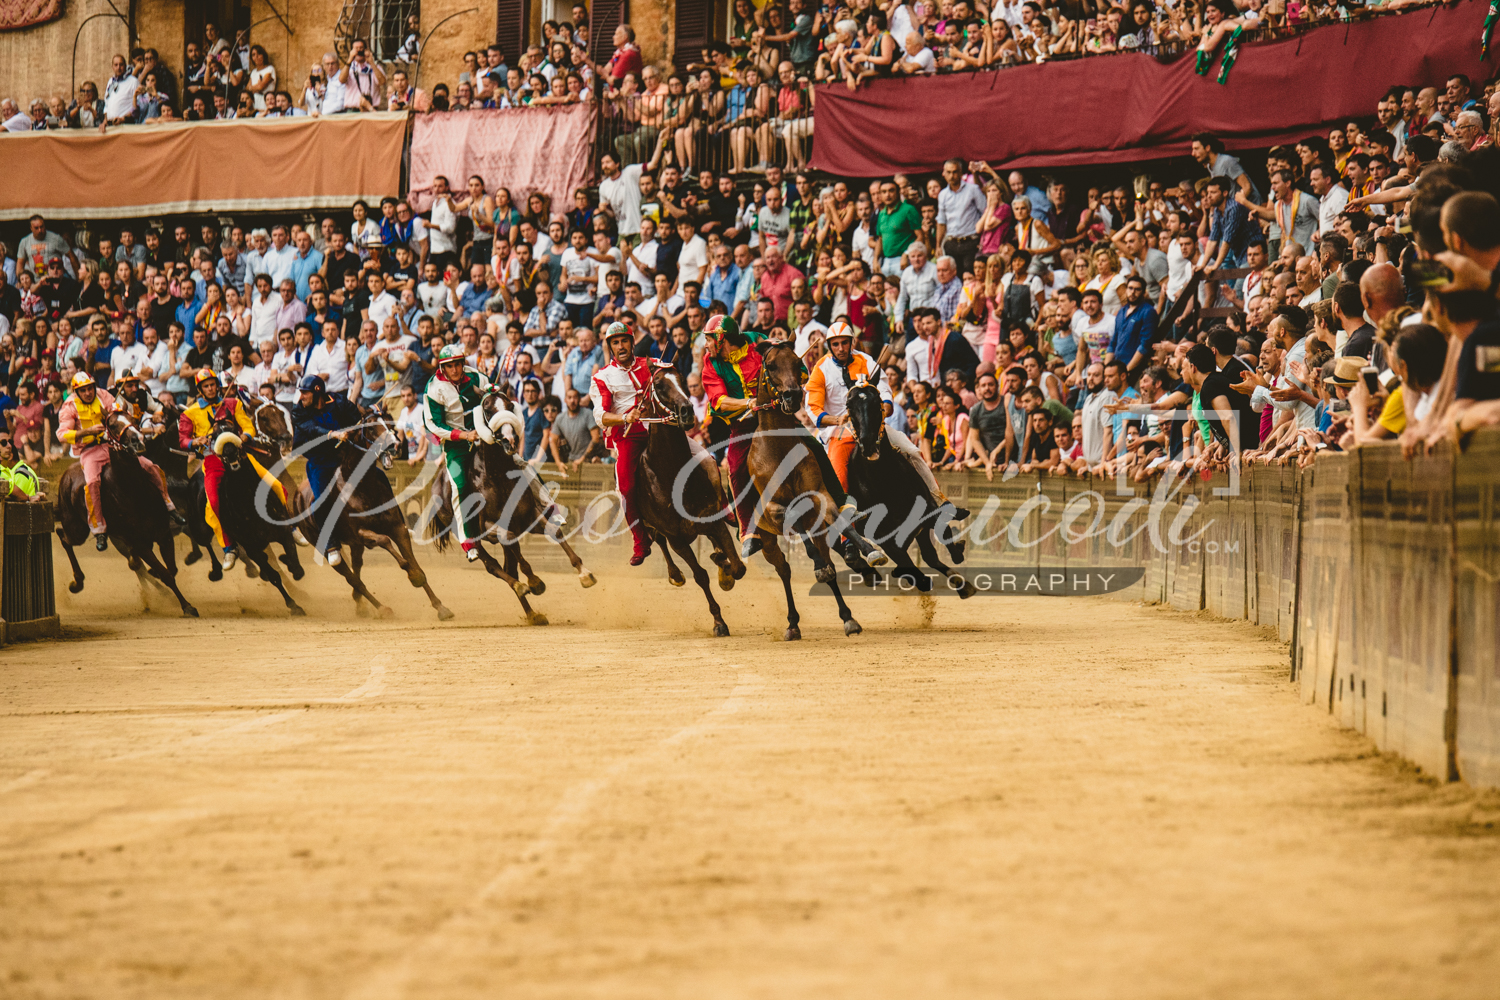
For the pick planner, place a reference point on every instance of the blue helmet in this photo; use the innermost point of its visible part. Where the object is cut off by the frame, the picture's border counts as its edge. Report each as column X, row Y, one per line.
column 311, row 383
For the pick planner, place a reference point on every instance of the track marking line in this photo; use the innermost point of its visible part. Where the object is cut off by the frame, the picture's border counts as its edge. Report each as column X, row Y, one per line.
column 394, row 981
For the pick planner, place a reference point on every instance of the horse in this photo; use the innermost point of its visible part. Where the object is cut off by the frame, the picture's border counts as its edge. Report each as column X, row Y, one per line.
column 368, row 514
column 701, row 511
column 252, row 531
column 787, row 480
column 132, row 508
column 508, row 512
column 879, row 478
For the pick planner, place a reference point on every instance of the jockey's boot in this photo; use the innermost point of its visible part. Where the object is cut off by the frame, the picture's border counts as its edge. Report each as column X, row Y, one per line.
column 176, row 521
column 471, row 550
column 750, row 546
column 333, row 555
column 101, row 542
column 642, row 543
column 230, row 557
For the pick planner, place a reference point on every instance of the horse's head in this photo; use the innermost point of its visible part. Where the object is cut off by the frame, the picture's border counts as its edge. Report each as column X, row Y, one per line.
column 228, row 444
column 498, row 423
column 667, row 399
column 123, row 434
column 374, row 434
column 270, row 422
column 782, row 375
column 867, row 416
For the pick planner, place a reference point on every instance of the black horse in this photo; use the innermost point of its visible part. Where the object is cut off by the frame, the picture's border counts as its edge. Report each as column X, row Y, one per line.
column 243, row 522
column 886, row 485
column 132, row 506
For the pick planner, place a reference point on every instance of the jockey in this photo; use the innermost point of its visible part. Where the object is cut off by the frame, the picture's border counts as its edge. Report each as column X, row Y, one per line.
column 452, row 397
column 616, row 393
column 195, row 430
column 132, row 399
column 731, row 378
column 827, row 402
column 322, row 418
column 80, row 423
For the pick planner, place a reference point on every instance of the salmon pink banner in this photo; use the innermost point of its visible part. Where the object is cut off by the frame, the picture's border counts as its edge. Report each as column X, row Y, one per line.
column 523, row 149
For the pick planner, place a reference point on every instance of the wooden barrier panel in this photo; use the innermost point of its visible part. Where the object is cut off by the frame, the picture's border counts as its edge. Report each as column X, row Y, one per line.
column 28, row 605
column 1477, row 612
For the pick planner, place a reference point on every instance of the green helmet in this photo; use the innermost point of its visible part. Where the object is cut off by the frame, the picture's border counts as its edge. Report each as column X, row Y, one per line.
column 718, row 326
column 453, row 352
column 617, row 329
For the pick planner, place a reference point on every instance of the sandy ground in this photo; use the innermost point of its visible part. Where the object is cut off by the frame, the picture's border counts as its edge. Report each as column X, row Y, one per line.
column 1027, row 797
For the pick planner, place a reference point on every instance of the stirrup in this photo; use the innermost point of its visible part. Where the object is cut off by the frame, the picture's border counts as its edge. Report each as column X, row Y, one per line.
column 750, row 546
column 101, row 542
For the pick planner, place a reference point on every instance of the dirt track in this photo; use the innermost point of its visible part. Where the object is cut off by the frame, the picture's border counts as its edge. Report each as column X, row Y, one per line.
column 1031, row 797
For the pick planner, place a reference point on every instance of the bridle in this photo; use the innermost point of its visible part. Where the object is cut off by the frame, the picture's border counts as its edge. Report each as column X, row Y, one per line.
column 654, row 409
column 789, row 401
column 116, row 440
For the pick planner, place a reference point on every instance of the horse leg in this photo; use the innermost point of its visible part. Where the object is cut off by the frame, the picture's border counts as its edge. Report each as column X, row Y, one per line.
column 905, row 569
column 406, row 557
column 196, row 552
column 771, row 549
column 930, row 557
column 77, row 583
column 674, row 575
column 726, row 555
column 349, row 569
column 517, row 566
column 215, row 572
column 851, row 627
column 584, row 576
column 262, row 560
column 684, row 549
column 289, row 557
column 165, row 570
column 824, row 570
column 492, row 565
column 252, row 570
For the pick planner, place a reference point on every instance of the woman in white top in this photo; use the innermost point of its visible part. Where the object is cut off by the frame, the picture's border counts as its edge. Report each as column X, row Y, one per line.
column 1107, row 278
column 235, row 309
column 363, row 230
column 262, row 78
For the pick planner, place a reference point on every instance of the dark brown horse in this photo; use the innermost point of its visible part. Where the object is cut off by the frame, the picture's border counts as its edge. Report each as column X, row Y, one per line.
column 369, row 515
column 794, row 495
column 514, row 505
column 251, row 513
column 137, row 518
column 679, row 495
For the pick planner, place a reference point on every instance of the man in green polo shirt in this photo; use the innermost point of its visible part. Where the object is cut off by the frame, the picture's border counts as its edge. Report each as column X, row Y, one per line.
column 896, row 225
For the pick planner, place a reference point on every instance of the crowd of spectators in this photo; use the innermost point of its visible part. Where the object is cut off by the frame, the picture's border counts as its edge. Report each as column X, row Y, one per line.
column 1194, row 321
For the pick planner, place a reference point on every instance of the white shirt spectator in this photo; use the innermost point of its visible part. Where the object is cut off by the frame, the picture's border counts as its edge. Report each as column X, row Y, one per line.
column 278, row 263
column 617, row 257
column 436, row 298
column 925, row 59
column 692, row 262
column 650, row 307
column 1095, row 422
column 160, row 363
column 917, row 361
column 961, row 210
column 334, row 97
column 646, row 254
column 1329, row 207
column 804, row 335
column 622, row 196
column 331, row 363
column 263, row 316
column 442, row 228
column 119, row 97
column 123, row 359
column 579, row 276
column 381, row 306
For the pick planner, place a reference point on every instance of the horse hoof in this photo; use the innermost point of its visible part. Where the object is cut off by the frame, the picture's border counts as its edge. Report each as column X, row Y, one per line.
column 587, row 579
column 444, row 615
column 216, row 574
column 190, row 612
column 296, row 612
column 361, row 609
column 297, row 537
column 726, row 580
column 386, row 612
column 537, row 618
column 676, row 579
column 298, row 572
column 826, row 574
column 793, row 633
column 520, row 588
column 75, row 587
column 877, row 558
column 720, row 630
column 252, row 571
column 956, row 552
column 852, row 627
column 538, row 587
column 191, row 558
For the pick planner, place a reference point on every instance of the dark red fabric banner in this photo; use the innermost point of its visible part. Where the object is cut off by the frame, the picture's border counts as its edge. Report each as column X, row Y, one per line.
column 1112, row 109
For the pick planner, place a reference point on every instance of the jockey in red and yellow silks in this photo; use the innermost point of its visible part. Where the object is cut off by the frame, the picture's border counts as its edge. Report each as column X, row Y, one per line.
column 80, row 423
column 195, row 432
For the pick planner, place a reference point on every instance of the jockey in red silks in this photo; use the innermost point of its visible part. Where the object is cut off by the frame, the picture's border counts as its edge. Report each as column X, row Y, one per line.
column 617, row 391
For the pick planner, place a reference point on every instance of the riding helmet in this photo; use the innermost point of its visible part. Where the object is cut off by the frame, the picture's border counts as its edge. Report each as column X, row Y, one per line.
column 616, row 329
column 205, row 375
column 82, row 381
column 721, row 324
column 311, row 383
column 840, row 328
column 453, row 352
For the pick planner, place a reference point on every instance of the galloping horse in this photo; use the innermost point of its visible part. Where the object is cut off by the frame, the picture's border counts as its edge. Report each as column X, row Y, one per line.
column 132, row 508
column 671, row 466
column 514, row 505
column 238, row 513
column 880, row 479
column 794, row 495
column 369, row 515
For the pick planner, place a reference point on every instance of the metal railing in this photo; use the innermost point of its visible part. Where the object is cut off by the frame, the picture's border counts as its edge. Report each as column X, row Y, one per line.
column 640, row 128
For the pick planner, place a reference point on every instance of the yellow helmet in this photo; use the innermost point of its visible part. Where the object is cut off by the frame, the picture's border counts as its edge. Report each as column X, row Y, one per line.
column 82, row 380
